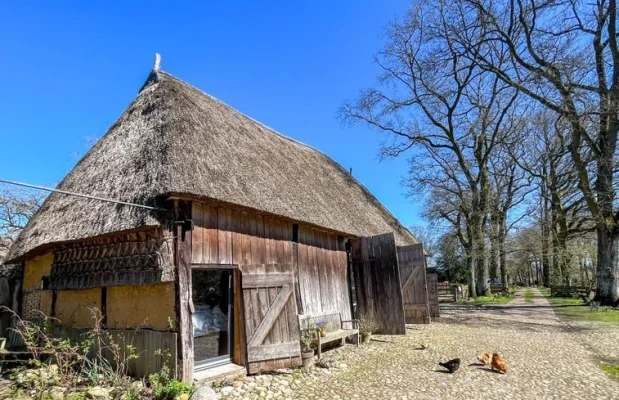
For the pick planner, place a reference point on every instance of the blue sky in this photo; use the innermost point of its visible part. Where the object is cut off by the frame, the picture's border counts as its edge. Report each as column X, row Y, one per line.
column 69, row 70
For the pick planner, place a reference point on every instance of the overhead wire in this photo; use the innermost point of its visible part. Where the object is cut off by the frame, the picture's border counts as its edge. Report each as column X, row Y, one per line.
column 87, row 196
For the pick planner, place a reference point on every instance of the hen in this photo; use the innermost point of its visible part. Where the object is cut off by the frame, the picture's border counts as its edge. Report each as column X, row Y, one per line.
column 498, row 363
column 485, row 358
column 451, row 365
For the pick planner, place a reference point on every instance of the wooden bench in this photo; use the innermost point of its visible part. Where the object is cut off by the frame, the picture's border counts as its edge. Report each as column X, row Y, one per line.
column 334, row 327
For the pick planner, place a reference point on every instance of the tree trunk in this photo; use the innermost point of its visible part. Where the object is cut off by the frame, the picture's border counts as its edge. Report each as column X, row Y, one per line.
column 494, row 248
column 545, row 237
column 471, row 267
column 480, row 260
column 607, row 268
column 564, row 259
column 478, row 257
column 503, row 252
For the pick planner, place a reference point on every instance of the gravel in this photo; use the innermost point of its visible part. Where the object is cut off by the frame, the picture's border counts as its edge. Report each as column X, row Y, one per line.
column 546, row 359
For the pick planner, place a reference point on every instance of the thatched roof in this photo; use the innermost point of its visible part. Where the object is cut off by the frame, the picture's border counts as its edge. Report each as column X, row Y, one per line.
column 176, row 139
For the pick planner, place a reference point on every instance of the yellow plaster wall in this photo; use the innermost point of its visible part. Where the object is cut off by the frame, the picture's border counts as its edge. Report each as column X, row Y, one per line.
column 36, row 269
column 73, row 307
column 45, row 305
column 141, row 306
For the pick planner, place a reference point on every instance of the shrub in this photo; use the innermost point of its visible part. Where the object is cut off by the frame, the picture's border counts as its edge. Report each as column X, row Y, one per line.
column 172, row 390
column 71, row 364
column 307, row 334
column 368, row 323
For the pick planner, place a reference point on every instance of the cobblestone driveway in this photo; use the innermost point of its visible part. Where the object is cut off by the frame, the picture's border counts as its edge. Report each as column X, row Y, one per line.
column 546, row 359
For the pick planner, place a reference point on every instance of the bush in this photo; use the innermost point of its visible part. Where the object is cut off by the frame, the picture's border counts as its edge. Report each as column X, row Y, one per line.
column 172, row 390
column 368, row 323
column 73, row 365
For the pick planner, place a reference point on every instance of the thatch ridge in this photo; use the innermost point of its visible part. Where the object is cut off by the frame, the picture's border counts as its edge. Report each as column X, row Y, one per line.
column 174, row 138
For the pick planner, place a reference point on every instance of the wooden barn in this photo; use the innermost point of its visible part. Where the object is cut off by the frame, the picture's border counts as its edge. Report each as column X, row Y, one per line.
column 245, row 229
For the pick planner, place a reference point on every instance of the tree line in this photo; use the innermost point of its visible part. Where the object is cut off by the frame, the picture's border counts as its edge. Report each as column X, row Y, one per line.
column 507, row 111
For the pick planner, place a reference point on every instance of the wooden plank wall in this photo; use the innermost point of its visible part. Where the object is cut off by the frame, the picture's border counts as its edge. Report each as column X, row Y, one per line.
column 411, row 260
column 147, row 344
column 433, row 294
column 262, row 244
column 377, row 281
column 323, row 273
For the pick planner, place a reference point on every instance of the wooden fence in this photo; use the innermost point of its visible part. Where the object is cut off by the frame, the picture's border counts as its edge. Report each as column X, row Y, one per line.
column 151, row 349
column 447, row 292
column 571, row 291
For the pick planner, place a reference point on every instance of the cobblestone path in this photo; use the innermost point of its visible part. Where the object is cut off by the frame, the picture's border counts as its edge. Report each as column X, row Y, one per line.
column 547, row 359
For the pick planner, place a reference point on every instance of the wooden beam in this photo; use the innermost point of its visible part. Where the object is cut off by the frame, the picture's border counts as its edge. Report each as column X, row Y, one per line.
column 214, row 266
column 54, row 301
column 273, row 351
column 409, row 280
column 103, row 305
column 421, row 307
column 182, row 244
column 251, row 281
column 271, row 315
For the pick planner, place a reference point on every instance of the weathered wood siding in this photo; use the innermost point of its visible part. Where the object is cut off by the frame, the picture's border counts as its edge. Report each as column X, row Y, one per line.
column 284, row 343
column 323, row 273
column 377, row 281
column 411, row 260
column 151, row 347
column 264, row 245
column 433, row 294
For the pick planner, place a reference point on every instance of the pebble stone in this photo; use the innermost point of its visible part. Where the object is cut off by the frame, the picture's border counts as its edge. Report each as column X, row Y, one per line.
column 546, row 357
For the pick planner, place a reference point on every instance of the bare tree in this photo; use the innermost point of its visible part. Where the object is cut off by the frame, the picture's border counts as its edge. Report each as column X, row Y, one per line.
column 565, row 56
column 510, row 188
column 433, row 101
column 545, row 157
column 16, row 208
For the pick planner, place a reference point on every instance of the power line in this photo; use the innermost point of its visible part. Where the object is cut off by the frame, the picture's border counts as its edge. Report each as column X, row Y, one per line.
column 81, row 195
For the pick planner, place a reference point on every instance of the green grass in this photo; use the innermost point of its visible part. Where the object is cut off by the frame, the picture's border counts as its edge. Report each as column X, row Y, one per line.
column 488, row 300
column 577, row 310
column 528, row 295
column 612, row 370
column 545, row 291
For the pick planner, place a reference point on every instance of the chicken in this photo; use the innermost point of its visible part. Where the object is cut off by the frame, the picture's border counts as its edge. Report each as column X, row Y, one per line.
column 498, row 363
column 485, row 358
column 451, row 365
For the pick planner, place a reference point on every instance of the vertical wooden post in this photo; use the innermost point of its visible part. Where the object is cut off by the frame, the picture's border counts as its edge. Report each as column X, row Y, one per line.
column 295, row 267
column 103, row 305
column 182, row 253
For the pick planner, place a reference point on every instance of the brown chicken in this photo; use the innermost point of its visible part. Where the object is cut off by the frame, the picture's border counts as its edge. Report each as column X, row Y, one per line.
column 498, row 363
column 485, row 358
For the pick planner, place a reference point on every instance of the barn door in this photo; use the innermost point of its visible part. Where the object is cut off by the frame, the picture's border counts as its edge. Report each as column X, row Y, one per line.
column 412, row 262
column 433, row 295
column 377, row 282
column 271, row 324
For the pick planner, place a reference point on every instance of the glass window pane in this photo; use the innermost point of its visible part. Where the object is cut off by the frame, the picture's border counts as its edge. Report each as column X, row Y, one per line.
column 211, row 299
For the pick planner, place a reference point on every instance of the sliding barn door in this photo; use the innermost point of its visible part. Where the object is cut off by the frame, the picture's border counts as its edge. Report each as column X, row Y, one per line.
column 271, row 324
column 377, row 282
column 412, row 262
